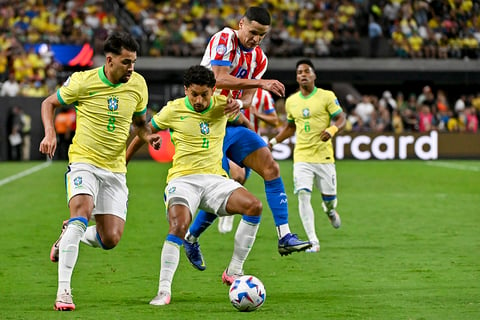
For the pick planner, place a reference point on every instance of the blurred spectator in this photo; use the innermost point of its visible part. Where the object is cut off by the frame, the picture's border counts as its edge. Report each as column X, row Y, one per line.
column 11, row 87
column 472, row 120
column 397, row 122
column 425, row 119
column 14, row 128
column 364, row 109
column 460, row 104
column 375, row 33
column 64, row 123
column 26, row 121
column 387, row 101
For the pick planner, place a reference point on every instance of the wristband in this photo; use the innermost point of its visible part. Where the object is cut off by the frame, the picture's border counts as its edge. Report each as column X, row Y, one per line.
column 332, row 130
column 240, row 102
column 273, row 141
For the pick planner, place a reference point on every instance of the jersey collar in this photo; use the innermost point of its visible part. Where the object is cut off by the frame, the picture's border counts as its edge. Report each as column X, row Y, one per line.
column 311, row 93
column 103, row 77
column 189, row 105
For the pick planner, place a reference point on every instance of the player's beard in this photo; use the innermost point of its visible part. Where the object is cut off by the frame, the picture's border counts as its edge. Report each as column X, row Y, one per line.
column 125, row 78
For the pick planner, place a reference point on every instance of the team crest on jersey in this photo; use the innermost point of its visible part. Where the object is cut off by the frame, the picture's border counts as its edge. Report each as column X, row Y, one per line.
column 221, row 49
column 77, row 182
column 112, row 103
column 306, row 113
column 204, row 128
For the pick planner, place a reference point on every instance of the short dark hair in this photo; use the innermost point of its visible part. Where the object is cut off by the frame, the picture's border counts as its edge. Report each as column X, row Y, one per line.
column 199, row 75
column 305, row 61
column 259, row 14
column 118, row 40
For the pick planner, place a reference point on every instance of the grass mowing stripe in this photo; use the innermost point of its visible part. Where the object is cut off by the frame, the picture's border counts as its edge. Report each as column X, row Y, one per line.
column 24, row 173
column 452, row 165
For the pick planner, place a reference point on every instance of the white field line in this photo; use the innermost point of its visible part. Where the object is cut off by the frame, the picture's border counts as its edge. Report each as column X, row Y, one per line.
column 450, row 165
column 24, row 173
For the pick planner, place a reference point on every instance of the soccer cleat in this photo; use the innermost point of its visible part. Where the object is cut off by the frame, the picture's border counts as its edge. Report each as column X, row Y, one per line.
column 225, row 224
column 290, row 243
column 55, row 248
column 315, row 248
column 228, row 279
column 194, row 255
column 161, row 299
column 334, row 219
column 64, row 302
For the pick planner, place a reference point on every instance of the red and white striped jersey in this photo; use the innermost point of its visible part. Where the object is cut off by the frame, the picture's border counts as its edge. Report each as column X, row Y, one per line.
column 225, row 49
column 264, row 103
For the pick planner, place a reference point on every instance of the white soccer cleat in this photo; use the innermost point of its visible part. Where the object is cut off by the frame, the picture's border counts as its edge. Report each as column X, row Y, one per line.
column 334, row 219
column 64, row 302
column 225, row 224
column 161, row 299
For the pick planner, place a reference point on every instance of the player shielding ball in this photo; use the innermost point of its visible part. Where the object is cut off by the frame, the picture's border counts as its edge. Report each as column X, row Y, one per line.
column 196, row 179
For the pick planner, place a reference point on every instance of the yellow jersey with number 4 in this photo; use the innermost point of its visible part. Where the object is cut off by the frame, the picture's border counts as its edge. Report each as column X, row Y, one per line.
column 197, row 136
column 104, row 115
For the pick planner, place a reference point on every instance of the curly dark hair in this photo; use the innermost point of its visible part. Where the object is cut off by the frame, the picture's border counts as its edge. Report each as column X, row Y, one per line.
column 199, row 75
column 118, row 40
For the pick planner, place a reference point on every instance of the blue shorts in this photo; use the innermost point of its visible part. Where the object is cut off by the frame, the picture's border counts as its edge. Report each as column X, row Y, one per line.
column 238, row 143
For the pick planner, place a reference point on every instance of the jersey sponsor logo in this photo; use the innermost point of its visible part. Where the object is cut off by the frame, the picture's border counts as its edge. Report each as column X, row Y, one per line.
column 184, row 117
column 112, row 103
column 221, row 49
column 204, row 128
column 92, row 93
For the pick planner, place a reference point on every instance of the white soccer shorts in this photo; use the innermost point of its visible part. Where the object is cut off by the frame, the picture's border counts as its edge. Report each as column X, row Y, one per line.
column 323, row 175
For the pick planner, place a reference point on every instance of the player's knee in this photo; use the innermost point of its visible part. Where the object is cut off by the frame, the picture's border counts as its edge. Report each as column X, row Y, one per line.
column 110, row 240
column 255, row 208
column 271, row 169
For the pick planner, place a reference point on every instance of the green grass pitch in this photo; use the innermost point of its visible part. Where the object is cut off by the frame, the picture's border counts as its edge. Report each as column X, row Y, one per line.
column 408, row 248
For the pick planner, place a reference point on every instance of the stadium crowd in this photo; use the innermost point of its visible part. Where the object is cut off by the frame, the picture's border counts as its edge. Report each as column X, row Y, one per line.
column 448, row 29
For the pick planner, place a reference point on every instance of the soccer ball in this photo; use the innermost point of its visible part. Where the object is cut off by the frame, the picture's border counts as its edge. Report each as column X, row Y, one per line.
column 247, row 293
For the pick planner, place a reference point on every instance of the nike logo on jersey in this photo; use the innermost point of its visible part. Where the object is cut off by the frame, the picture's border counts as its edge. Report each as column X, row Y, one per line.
column 92, row 93
column 184, row 117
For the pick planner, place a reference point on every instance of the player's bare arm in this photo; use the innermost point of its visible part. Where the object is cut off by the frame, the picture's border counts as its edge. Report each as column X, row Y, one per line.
column 287, row 132
column 144, row 131
column 137, row 143
column 338, row 124
column 226, row 81
column 232, row 109
column 48, row 145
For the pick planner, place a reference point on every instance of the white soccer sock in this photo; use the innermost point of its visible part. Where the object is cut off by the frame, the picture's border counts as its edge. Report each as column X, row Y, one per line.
column 168, row 266
column 90, row 237
column 306, row 214
column 68, row 253
column 244, row 240
column 283, row 230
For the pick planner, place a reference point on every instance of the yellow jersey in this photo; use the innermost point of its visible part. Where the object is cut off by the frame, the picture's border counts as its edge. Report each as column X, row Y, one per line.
column 312, row 115
column 197, row 136
column 104, row 115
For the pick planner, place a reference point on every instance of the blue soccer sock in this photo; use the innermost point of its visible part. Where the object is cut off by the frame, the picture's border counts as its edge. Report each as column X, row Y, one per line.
column 277, row 200
column 202, row 221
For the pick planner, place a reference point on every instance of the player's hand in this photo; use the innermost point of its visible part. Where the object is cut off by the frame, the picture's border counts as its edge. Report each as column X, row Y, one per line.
column 48, row 145
column 324, row 136
column 274, row 86
column 232, row 109
column 155, row 141
column 328, row 133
